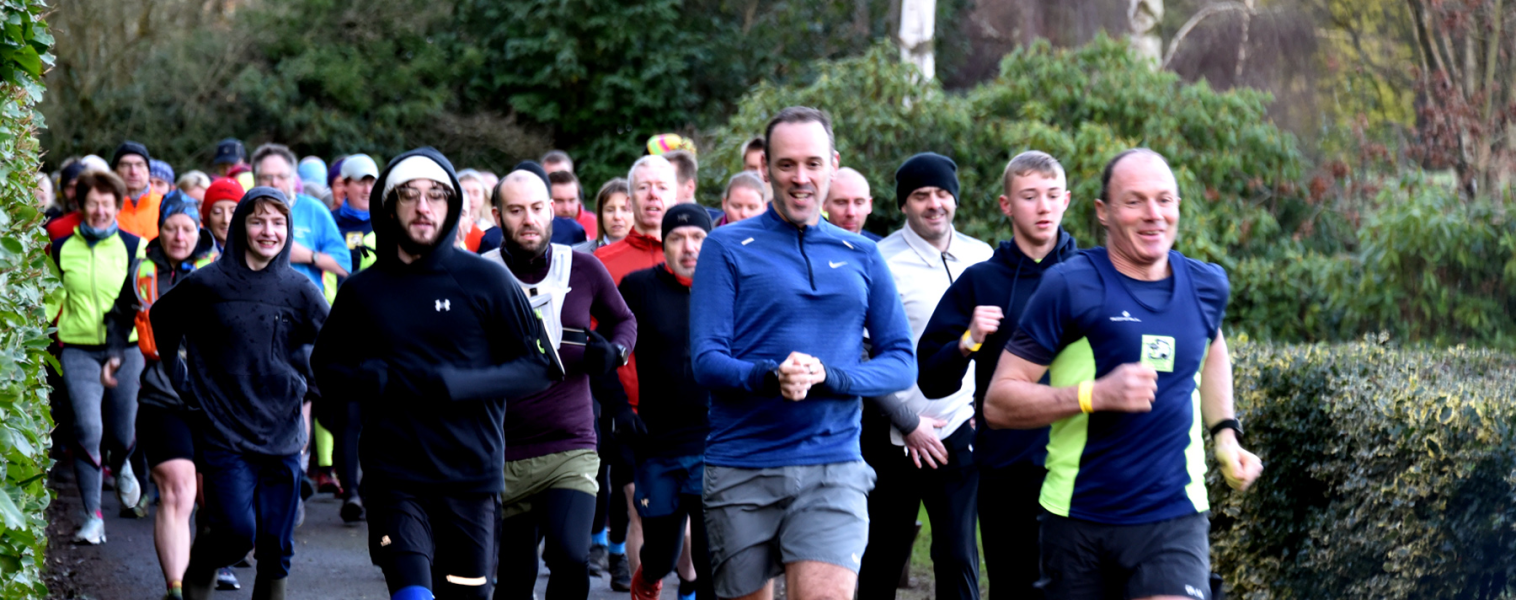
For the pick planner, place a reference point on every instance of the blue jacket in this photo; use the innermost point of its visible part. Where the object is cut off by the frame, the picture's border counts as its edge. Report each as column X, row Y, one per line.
column 765, row 288
column 316, row 230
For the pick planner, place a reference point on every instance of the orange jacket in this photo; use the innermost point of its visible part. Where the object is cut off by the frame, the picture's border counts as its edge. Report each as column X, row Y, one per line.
column 140, row 218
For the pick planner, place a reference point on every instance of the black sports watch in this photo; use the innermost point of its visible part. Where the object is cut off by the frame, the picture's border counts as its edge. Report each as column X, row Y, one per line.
column 1232, row 424
column 624, row 353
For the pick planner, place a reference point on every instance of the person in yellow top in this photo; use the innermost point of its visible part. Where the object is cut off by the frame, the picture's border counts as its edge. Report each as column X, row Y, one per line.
column 94, row 263
column 139, row 210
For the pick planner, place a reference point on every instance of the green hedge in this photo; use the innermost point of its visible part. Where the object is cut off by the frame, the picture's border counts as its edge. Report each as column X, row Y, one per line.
column 1389, row 474
column 25, row 278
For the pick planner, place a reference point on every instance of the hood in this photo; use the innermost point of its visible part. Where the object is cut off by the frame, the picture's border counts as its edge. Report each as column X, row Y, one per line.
column 235, row 255
column 387, row 232
column 1010, row 255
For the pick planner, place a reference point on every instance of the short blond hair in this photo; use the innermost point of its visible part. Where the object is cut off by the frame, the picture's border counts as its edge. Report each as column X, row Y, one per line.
column 1032, row 161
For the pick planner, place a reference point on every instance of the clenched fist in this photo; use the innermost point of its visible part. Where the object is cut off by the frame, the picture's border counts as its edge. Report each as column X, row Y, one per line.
column 1131, row 387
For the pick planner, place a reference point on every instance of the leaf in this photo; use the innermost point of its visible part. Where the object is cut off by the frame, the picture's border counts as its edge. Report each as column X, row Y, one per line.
column 10, row 515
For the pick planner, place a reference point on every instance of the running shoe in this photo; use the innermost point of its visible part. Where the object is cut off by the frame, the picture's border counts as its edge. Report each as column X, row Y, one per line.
column 300, row 514
column 599, row 560
column 226, row 580
column 127, row 489
column 352, row 510
column 326, row 483
column 641, row 590
column 621, row 576
column 92, row 533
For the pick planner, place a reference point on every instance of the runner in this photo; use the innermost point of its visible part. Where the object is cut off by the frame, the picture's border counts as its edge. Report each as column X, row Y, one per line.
column 667, row 432
column 613, row 215
column 687, row 169
column 160, row 177
column 849, row 204
column 352, row 218
column 216, row 208
column 752, row 156
column 433, row 342
column 93, row 263
column 246, row 323
column 979, row 310
column 139, row 213
column 475, row 194
column 162, row 419
column 745, row 197
column 551, row 460
column 557, row 160
column 937, row 465
column 568, row 201
column 316, row 246
column 1140, row 369
column 781, row 298
column 565, row 231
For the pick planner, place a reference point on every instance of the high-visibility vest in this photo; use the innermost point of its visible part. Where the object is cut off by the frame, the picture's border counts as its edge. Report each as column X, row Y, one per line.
column 147, row 294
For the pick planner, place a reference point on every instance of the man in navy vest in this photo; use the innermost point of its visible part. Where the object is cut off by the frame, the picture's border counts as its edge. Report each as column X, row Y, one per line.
column 1130, row 338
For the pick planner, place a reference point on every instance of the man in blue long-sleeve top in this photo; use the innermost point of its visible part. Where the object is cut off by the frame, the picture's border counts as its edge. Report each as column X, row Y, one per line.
column 777, row 306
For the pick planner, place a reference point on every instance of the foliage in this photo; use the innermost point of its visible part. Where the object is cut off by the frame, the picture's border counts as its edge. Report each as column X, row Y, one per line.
column 1389, row 474
column 24, row 279
column 1083, row 106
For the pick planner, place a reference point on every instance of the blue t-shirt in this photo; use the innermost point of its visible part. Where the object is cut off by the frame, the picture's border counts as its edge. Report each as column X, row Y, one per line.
column 1085, row 320
column 315, row 229
column 765, row 289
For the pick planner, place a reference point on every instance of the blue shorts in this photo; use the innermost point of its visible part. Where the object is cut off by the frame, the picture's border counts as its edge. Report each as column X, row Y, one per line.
column 660, row 482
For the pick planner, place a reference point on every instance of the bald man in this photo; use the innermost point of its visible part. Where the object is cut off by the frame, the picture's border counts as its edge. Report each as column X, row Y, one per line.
column 849, row 203
column 551, row 462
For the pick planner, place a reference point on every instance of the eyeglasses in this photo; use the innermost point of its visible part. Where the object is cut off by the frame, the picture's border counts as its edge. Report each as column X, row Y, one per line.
column 409, row 195
column 267, row 178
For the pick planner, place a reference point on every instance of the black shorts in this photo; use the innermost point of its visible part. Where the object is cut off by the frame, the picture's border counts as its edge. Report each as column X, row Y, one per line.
column 1084, row 560
column 455, row 532
column 163, row 434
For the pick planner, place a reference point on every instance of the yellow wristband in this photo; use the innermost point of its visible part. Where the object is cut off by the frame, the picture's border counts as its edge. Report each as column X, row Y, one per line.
column 1087, row 396
column 968, row 340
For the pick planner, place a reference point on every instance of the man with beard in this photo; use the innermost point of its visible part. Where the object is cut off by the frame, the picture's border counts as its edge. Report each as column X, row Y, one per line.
column 433, row 342
column 551, row 461
column 937, row 465
column 782, row 298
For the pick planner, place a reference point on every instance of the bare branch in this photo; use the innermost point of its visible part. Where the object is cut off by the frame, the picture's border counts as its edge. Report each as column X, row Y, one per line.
column 1200, row 15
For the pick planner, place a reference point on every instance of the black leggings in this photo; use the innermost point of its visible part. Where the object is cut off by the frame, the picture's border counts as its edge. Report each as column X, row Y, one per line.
column 563, row 517
column 345, row 423
column 663, row 539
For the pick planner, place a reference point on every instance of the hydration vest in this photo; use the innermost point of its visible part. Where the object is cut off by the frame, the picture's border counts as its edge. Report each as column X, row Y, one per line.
column 547, row 297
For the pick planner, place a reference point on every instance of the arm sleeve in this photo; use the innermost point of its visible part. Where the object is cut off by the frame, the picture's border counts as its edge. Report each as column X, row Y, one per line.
column 715, row 292
column 170, row 314
column 316, row 313
column 612, row 314
column 900, row 414
column 940, row 366
column 333, row 245
column 894, row 358
column 122, row 315
column 1040, row 332
column 1214, row 289
column 521, row 364
column 339, row 358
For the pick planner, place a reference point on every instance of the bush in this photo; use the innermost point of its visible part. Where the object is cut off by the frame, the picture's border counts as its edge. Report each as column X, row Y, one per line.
column 1389, row 474
column 25, row 278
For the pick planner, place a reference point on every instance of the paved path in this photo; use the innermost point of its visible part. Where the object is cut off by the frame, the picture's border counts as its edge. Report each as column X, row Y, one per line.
column 331, row 559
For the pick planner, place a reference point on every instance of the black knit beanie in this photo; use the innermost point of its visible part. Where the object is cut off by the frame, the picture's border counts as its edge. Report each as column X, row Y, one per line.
column 129, row 147
column 684, row 215
column 927, row 169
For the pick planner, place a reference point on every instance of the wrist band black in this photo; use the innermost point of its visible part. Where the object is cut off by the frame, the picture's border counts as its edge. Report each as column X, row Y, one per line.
column 1232, row 424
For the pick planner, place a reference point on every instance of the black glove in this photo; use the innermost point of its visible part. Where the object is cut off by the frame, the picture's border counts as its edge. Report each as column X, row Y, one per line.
column 627, row 426
column 601, row 357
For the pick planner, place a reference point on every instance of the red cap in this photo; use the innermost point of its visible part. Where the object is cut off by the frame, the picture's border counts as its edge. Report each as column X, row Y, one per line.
column 224, row 188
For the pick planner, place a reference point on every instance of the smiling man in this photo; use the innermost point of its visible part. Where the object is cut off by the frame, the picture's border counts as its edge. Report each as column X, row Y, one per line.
column 783, row 297
column 1130, row 339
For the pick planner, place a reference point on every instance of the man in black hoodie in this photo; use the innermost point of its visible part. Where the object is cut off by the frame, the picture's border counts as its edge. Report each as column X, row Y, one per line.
column 434, row 342
column 969, row 317
column 246, row 323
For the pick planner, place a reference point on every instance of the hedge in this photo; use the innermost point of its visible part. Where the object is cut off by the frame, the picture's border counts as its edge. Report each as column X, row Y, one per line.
column 25, row 278
column 1389, row 474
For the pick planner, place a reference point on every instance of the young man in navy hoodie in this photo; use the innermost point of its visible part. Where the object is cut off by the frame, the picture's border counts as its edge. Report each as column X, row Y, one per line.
column 970, row 316
column 782, row 298
column 246, row 323
column 434, row 342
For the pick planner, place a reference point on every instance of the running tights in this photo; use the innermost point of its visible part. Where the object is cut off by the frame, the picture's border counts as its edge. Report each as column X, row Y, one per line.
column 563, row 518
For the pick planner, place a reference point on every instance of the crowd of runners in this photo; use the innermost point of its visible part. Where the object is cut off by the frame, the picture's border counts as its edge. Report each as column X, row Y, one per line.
column 495, row 370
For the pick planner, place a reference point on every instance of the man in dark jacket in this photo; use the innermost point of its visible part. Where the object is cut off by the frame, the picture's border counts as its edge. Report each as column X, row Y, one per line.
column 246, row 323
column 434, row 342
column 667, row 431
column 970, row 316
column 551, row 463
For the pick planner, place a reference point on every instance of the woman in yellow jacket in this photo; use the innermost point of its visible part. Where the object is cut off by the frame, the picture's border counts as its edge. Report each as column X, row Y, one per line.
column 94, row 263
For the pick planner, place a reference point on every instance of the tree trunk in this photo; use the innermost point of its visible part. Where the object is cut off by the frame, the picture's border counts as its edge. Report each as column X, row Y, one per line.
column 918, row 19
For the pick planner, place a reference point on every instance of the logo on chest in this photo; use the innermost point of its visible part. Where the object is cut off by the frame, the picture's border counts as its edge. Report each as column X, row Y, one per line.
column 1126, row 317
column 444, row 305
column 1158, row 352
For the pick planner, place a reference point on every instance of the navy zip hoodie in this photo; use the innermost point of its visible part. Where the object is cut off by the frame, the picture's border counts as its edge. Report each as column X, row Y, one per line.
column 674, row 407
column 247, row 336
column 433, row 349
column 1007, row 280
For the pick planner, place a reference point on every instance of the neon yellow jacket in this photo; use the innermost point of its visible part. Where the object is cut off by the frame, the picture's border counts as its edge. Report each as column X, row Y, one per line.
column 92, row 277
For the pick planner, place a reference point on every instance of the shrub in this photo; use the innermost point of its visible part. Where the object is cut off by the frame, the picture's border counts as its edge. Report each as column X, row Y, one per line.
column 1389, row 473
column 25, row 278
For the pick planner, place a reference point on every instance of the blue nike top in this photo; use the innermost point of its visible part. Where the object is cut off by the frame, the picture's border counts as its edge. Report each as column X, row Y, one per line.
column 765, row 288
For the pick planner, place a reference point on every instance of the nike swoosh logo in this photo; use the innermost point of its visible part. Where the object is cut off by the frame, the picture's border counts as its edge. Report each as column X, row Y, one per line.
column 836, row 264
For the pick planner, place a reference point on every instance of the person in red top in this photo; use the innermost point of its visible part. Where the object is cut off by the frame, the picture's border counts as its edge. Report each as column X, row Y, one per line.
column 568, row 201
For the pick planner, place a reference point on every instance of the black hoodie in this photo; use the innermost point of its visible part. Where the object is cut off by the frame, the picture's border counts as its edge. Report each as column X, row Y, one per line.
column 433, row 348
column 157, row 385
column 246, row 334
column 1007, row 280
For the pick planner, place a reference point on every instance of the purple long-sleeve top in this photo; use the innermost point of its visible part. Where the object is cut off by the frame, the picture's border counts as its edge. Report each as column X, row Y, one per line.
column 562, row 418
